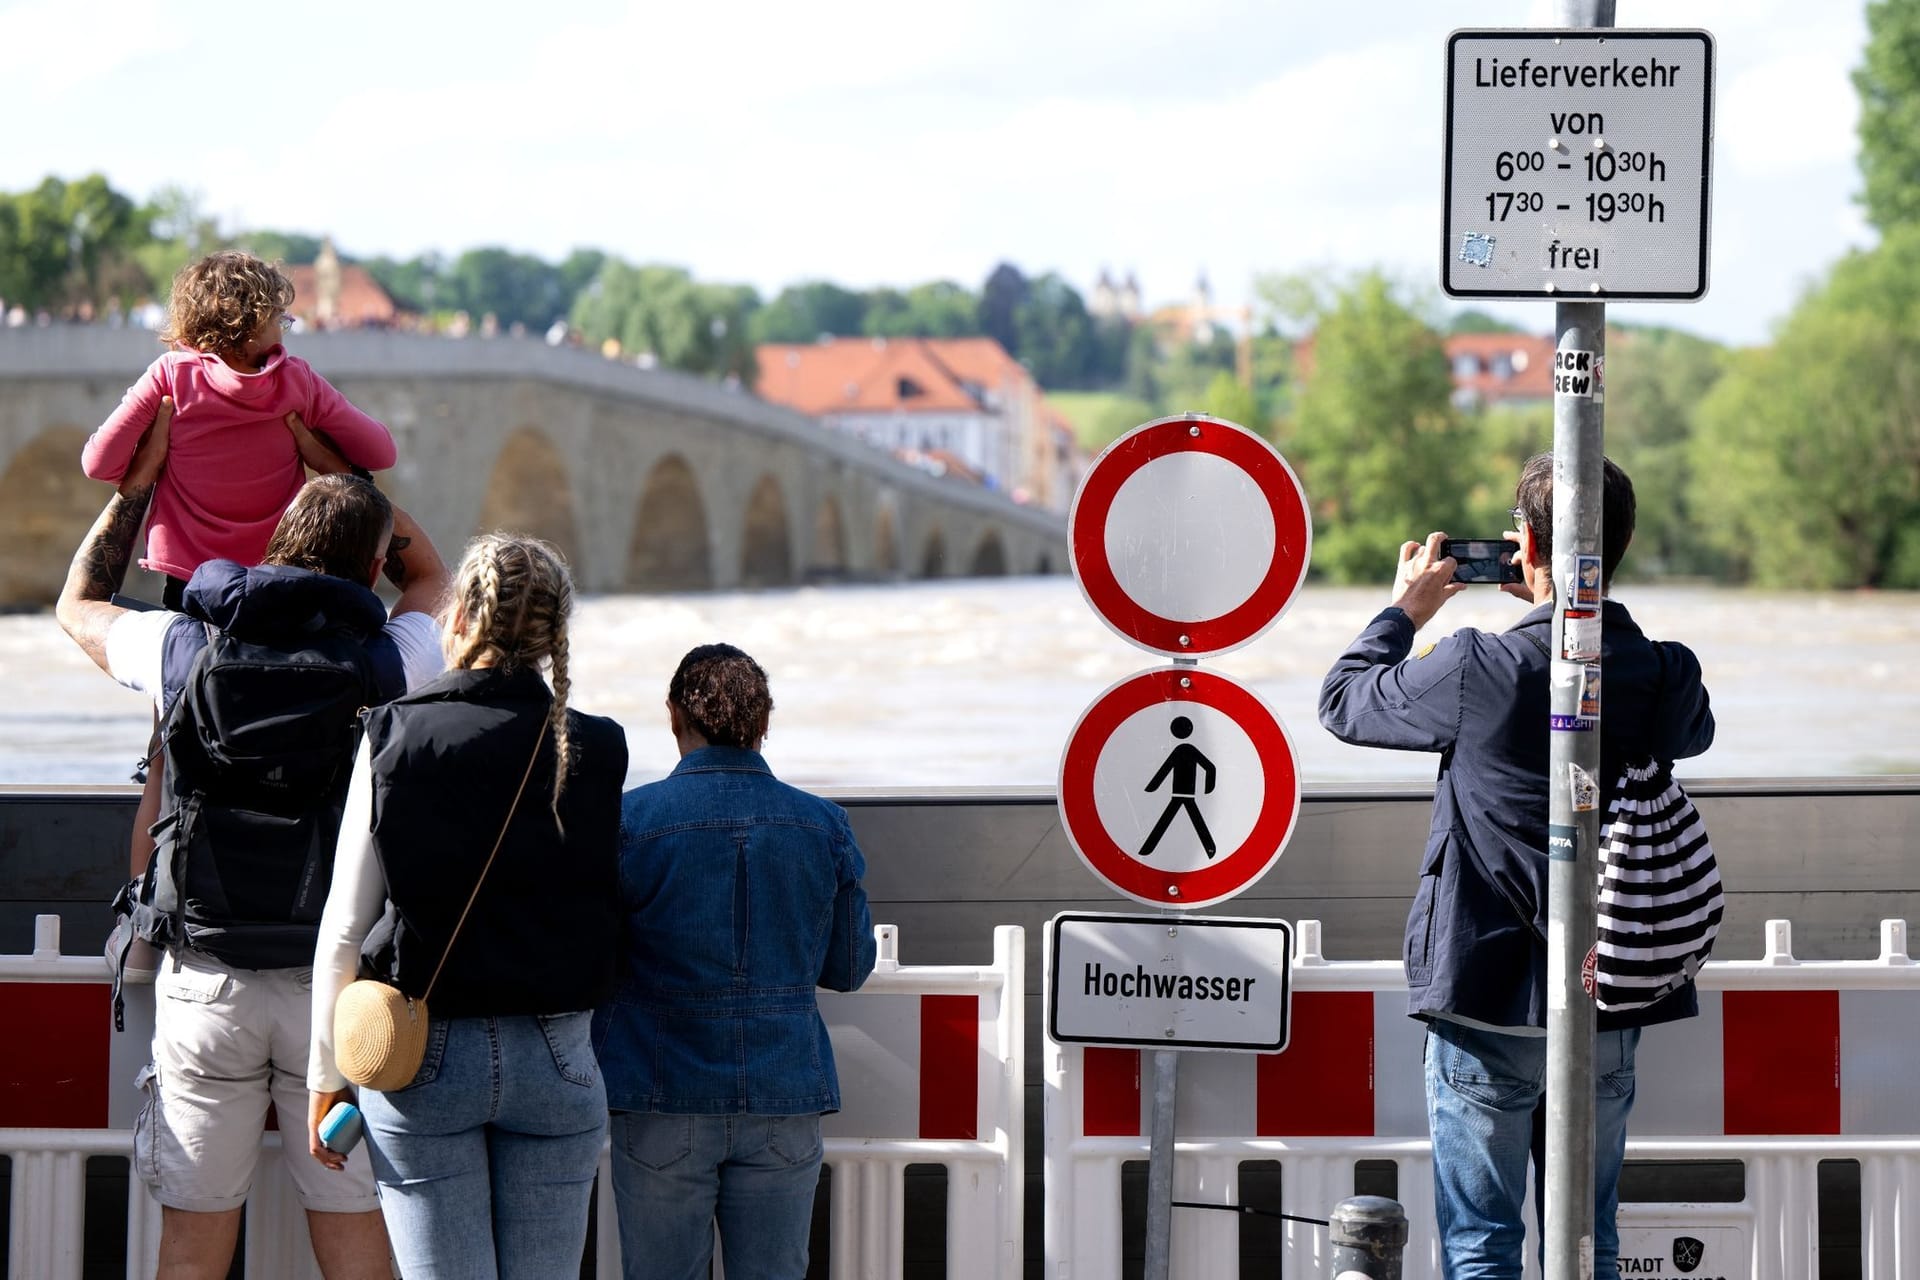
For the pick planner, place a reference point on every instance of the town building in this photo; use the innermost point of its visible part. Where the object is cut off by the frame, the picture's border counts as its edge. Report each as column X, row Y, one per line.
column 1487, row 368
column 330, row 294
column 959, row 406
column 1500, row 368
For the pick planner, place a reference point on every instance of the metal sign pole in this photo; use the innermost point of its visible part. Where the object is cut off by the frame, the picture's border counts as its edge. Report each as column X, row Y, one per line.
column 1580, row 334
column 1166, row 1088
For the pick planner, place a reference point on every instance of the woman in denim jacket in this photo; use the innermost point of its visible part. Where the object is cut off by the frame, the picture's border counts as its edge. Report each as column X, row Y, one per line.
column 741, row 895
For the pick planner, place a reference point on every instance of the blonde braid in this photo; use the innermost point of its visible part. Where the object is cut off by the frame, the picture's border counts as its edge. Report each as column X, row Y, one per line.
column 517, row 596
column 562, row 685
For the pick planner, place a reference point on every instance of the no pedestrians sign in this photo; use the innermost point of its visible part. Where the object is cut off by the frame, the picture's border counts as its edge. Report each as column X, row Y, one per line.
column 1179, row 787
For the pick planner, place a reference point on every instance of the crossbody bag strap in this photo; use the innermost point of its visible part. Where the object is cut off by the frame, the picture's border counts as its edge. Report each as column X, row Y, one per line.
column 538, row 742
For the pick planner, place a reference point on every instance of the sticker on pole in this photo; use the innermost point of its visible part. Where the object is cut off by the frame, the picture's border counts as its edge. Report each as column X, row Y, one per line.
column 1190, row 536
column 1179, row 787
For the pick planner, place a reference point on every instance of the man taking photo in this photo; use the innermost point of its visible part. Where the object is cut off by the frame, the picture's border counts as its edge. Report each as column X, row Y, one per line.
column 1475, row 950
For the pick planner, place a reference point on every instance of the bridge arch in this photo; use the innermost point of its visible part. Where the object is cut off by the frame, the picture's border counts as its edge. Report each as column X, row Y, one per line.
column 829, row 551
column 933, row 556
column 530, row 492
column 886, row 544
column 671, row 549
column 989, row 557
column 766, row 552
column 46, row 508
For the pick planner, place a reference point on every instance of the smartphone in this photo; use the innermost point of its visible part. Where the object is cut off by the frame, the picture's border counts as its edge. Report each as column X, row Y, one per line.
column 1483, row 559
column 342, row 1128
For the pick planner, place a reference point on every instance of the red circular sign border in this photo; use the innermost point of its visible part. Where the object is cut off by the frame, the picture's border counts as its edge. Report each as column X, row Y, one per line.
column 1086, row 526
column 1128, row 875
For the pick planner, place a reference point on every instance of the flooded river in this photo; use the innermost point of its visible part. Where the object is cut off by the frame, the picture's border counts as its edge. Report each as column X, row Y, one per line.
column 977, row 683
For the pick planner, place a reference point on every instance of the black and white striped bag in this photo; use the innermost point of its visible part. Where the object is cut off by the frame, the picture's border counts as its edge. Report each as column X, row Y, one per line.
column 1660, row 894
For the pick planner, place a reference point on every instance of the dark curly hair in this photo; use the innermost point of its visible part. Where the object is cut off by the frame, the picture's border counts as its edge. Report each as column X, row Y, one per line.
column 722, row 694
column 222, row 300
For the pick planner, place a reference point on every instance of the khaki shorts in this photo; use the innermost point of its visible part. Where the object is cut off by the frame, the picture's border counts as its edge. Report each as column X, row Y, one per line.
column 226, row 1042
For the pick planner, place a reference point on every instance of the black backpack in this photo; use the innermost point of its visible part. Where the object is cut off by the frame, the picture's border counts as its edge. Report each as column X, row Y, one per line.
column 258, row 746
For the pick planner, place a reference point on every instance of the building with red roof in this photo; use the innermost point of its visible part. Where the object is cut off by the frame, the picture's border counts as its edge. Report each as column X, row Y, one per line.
column 923, row 398
column 1500, row 368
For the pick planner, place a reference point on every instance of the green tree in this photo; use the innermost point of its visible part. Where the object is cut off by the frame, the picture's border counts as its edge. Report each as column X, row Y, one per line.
column 1001, row 298
column 1656, row 380
column 1382, row 452
column 1227, row 398
column 803, row 312
column 577, row 271
column 1807, row 456
column 1473, row 320
column 295, row 248
column 179, row 231
column 1888, row 83
column 1054, row 333
column 69, row 246
column 413, row 283
column 937, row 309
column 514, row 288
column 663, row 312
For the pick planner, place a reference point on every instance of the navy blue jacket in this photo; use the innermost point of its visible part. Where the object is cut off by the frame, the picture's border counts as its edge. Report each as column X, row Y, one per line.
column 271, row 604
column 1474, row 937
column 741, row 895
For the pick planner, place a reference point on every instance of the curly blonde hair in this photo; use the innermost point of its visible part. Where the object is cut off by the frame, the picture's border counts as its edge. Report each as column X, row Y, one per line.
column 222, row 300
column 514, row 596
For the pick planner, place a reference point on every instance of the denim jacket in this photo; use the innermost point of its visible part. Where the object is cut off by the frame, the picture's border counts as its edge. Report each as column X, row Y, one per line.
column 740, row 894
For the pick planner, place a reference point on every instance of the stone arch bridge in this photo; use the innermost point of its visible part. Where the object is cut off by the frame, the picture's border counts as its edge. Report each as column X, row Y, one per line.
column 648, row 480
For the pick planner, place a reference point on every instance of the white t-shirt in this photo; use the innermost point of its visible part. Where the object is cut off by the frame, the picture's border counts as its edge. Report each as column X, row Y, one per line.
column 137, row 640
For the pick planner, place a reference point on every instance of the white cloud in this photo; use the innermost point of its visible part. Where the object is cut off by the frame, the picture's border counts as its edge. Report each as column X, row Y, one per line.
column 1787, row 115
column 42, row 55
column 876, row 142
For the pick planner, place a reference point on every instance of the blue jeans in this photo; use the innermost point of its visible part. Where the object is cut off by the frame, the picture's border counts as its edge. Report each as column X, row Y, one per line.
column 675, row 1176
column 1482, row 1088
column 486, row 1161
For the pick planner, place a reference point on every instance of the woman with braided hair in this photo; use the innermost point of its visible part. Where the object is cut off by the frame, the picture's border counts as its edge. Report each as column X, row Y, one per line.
column 477, row 869
column 742, row 894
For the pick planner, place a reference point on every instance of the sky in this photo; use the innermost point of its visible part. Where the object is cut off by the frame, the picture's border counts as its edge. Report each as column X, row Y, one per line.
column 893, row 142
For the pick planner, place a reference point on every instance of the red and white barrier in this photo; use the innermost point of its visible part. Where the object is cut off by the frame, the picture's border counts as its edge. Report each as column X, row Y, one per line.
column 1790, row 1063
column 931, row 1064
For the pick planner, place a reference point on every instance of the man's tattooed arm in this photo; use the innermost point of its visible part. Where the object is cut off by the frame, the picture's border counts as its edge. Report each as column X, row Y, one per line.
column 85, row 608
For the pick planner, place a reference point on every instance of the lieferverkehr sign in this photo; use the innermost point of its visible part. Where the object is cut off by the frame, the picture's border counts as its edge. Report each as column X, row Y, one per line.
column 1577, row 164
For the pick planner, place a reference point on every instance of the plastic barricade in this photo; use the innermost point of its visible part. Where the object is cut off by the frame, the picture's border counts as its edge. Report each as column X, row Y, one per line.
column 931, row 1067
column 1791, row 1063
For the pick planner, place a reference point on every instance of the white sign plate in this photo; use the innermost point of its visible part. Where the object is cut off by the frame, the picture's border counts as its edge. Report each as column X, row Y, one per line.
column 1173, row 982
column 1577, row 164
column 1681, row 1250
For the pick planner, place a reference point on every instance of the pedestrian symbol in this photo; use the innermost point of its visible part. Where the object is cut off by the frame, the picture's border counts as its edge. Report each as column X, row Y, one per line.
column 1183, row 763
column 1178, row 787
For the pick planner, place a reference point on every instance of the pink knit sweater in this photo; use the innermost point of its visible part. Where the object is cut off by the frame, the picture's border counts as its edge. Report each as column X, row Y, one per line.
column 231, row 463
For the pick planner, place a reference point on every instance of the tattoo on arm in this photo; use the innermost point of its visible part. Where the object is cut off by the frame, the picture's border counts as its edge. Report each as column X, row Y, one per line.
column 103, row 558
column 85, row 609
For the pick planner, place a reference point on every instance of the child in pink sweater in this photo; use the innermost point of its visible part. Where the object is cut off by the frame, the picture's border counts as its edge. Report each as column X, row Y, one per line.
column 232, row 464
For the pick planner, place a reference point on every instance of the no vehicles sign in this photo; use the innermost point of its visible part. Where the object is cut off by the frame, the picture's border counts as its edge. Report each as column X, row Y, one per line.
column 1577, row 164
column 1190, row 535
